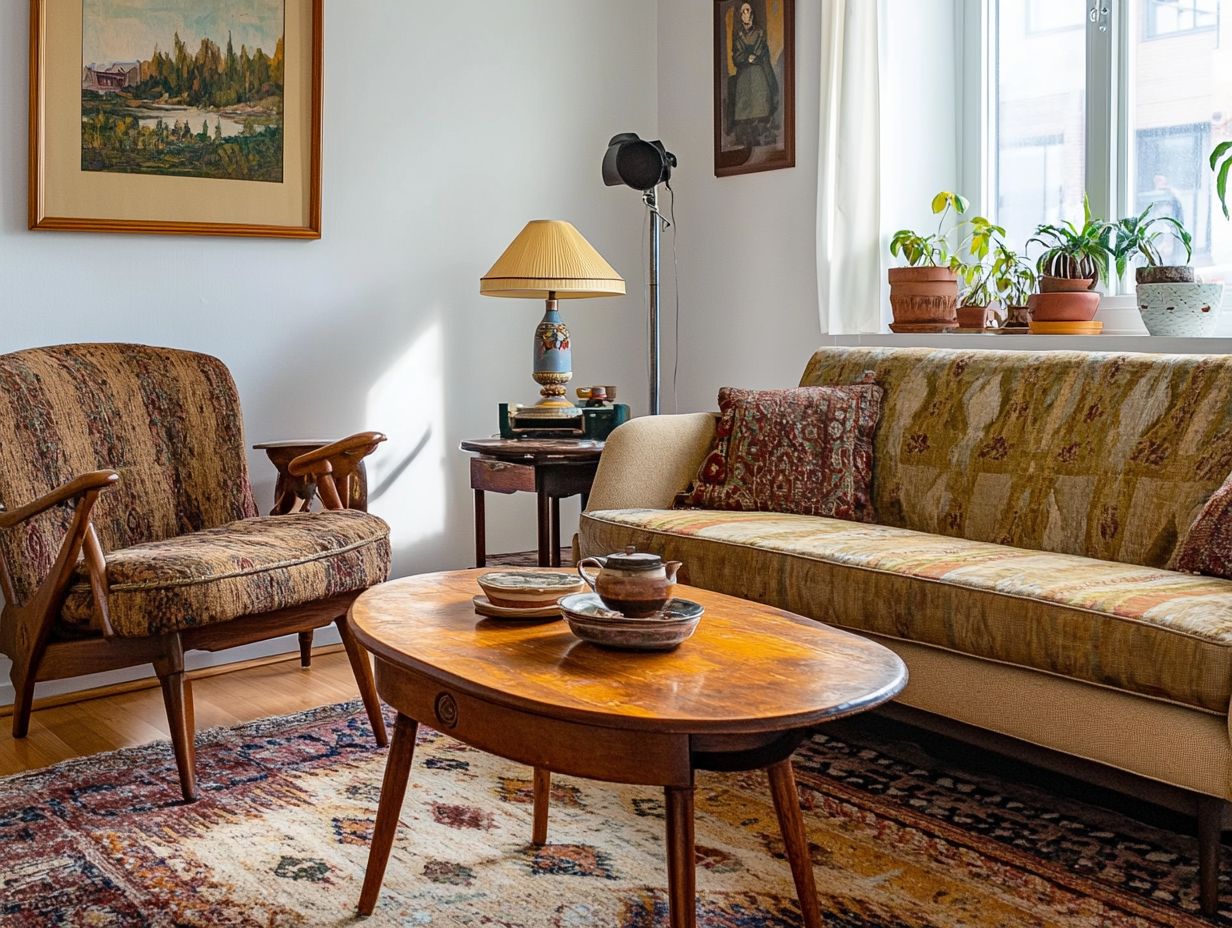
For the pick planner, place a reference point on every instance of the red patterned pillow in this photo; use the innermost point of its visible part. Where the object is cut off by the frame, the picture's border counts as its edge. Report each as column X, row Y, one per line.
column 1207, row 546
column 807, row 451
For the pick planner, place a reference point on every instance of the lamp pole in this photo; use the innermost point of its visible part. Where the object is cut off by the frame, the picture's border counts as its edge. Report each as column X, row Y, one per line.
column 651, row 199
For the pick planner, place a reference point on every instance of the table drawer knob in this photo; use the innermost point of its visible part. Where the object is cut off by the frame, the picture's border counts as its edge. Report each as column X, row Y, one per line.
column 446, row 709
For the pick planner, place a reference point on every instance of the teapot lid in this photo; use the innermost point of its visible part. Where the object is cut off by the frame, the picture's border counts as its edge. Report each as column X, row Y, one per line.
column 632, row 559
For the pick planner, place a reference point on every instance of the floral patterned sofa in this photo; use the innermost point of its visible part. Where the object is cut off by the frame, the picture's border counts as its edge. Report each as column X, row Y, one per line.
column 1028, row 505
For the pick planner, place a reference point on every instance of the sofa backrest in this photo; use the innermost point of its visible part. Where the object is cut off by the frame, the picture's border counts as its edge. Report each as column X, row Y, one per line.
column 1110, row 456
column 168, row 421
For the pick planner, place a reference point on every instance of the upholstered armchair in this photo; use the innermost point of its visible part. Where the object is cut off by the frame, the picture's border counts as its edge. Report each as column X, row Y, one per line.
column 129, row 534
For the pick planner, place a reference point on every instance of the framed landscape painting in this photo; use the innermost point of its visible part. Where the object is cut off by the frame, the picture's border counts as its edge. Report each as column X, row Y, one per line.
column 754, row 86
column 197, row 117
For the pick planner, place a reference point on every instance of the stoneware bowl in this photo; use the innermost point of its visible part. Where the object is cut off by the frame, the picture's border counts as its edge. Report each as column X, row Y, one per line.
column 1180, row 309
column 527, row 589
column 592, row 621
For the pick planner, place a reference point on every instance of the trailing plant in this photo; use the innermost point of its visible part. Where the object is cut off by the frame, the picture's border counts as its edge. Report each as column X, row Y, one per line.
column 1076, row 252
column 1138, row 236
column 932, row 249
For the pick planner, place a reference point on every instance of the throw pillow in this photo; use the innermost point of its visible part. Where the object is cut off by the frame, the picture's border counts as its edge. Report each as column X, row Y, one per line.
column 1207, row 547
column 807, row 451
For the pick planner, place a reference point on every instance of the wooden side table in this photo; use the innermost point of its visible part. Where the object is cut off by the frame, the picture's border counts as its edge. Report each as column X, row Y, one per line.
column 552, row 469
column 290, row 492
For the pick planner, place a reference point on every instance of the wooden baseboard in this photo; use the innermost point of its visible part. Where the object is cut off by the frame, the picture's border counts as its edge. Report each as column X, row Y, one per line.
column 146, row 683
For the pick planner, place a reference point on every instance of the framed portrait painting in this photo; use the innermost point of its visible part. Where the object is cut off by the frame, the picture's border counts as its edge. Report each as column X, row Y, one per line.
column 191, row 117
column 754, row 86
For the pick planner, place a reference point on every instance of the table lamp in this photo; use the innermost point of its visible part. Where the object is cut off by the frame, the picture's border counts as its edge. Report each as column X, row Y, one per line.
column 550, row 260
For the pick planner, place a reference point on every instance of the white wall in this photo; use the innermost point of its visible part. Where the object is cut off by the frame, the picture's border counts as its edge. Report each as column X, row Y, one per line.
column 447, row 126
column 747, row 247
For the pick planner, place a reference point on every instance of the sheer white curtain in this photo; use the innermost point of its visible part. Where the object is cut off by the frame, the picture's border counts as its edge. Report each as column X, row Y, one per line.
column 849, row 262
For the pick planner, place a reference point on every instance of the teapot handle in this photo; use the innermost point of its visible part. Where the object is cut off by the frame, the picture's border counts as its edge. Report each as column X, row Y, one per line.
column 600, row 562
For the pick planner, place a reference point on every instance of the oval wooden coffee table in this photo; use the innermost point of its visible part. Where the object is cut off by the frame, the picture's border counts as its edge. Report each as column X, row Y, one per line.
column 741, row 694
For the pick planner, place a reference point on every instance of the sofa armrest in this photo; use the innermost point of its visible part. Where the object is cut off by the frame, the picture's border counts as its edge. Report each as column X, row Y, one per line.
column 647, row 461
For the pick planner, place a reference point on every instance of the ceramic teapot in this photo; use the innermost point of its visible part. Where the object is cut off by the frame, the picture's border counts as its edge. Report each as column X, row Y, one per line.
column 634, row 583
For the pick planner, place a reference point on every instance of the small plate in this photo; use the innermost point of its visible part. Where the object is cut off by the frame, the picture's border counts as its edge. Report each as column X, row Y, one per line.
column 526, row 589
column 486, row 607
column 592, row 621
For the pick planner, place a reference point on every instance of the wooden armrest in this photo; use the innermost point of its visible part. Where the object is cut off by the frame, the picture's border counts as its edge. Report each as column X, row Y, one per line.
column 86, row 483
column 323, row 460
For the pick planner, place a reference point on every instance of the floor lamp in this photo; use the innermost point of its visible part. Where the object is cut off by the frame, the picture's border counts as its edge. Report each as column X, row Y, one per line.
column 643, row 165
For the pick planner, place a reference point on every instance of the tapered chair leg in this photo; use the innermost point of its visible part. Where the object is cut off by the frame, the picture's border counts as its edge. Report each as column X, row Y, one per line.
column 305, row 648
column 177, row 697
column 543, row 797
column 23, row 703
column 1210, row 851
column 181, row 719
column 361, row 666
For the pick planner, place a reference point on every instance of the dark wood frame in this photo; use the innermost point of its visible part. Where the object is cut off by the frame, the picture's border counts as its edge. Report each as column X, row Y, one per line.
column 37, row 215
column 26, row 629
column 726, row 166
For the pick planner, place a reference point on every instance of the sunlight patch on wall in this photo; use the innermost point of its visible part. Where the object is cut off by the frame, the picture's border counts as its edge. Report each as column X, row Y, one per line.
column 406, row 477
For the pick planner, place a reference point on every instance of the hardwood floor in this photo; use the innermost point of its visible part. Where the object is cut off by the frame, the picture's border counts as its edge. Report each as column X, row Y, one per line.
column 109, row 722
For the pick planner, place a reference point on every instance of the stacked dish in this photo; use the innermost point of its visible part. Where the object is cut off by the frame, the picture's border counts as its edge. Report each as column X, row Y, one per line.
column 524, row 594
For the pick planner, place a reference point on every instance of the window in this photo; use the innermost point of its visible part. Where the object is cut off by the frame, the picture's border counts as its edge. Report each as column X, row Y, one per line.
column 1039, row 113
column 1169, row 17
column 1125, row 109
column 1051, row 15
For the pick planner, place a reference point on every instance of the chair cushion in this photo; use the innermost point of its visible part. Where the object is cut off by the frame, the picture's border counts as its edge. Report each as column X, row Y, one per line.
column 1144, row 630
column 242, row 568
column 806, row 451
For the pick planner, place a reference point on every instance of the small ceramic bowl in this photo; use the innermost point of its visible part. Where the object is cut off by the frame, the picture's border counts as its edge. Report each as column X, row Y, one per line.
column 592, row 621
column 527, row 589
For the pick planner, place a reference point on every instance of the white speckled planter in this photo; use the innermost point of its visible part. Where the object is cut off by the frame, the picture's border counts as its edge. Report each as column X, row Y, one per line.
column 1180, row 309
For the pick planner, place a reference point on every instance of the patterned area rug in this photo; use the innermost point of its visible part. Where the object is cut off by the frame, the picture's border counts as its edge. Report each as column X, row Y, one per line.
column 280, row 839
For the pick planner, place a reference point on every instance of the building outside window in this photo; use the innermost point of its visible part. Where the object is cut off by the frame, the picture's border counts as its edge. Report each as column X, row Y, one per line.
column 1158, row 71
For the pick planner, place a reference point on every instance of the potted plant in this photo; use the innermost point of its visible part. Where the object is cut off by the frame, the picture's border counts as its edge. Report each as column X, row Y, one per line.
column 978, row 306
column 1075, row 258
column 1171, row 300
column 1015, row 280
column 924, row 293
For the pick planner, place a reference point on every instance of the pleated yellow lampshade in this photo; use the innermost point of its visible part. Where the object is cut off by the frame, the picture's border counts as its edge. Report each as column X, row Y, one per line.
column 550, row 256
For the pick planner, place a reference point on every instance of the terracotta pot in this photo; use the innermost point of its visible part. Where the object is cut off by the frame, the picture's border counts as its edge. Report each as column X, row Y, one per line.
column 1165, row 274
column 924, row 296
column 1018, row 316
column 1072, row 306
column 1066, row 284
column 979, row 317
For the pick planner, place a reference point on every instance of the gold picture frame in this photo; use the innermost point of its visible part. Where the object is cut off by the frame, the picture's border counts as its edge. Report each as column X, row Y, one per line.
column 77, row 183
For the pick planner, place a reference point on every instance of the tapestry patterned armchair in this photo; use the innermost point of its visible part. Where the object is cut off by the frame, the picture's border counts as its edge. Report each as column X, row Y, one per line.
column 129, row 534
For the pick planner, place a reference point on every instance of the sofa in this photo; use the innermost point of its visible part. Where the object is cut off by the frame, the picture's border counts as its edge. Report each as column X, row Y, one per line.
column 1028, row 505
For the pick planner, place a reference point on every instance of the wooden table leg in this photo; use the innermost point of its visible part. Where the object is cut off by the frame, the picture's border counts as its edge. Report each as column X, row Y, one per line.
column 393, row 791
column 544, row 528
column 555, row 532
column 481, row 542
column 543, row 795
column 791, row 824
column 681, row 877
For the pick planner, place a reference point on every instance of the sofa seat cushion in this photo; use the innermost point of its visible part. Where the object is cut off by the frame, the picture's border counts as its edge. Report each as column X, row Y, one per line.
column 242, row 568
column 1144, row 630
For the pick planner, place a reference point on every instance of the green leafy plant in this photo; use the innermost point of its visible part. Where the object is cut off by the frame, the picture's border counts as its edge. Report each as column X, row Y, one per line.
column 1013, row 277
column 1139, row 236
column 977, row 273
column 932, row 249
column 1221, row 164
column 1076, row 252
